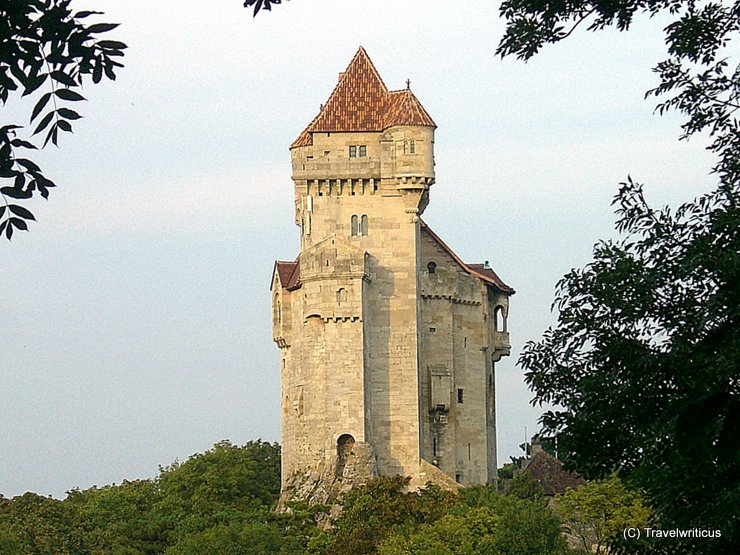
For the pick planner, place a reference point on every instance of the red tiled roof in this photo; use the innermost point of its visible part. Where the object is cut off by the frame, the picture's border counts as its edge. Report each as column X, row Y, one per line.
column 289, row 274
column 481, row 270
column 551, row 475
column 403, row 108
column 362, row 102
column 478, row 270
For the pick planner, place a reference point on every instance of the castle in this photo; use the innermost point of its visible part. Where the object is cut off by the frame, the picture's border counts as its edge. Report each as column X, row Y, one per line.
column 388, row 341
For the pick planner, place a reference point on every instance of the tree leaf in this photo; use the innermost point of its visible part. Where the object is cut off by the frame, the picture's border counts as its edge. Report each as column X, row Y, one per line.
column 24, row 144
column 43, row 123
column 67, row 94
column 83, row 14
column 97, row 73
column 12, row 192
column 66, row 113
column 20, row 211
column 101, row 27
column 40, row 105
column 28, row 164
column 34, row 84
column 64, row 125
column 111, row 45
column 63, row 78
column 2, row 211
column 17, row 222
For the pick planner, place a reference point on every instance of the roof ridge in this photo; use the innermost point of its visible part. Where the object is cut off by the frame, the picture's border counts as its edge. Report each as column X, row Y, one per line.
column 495, row 280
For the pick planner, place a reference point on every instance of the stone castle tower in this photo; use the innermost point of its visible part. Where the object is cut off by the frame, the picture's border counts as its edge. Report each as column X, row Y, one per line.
column 387, row 339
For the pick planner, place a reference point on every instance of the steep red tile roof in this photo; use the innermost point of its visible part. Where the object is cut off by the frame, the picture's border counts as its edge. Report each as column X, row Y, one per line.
column 362, row 102
column 481, row 270
column 403, row 108
column 289, row 274
column 477, row 270
column 551, row 475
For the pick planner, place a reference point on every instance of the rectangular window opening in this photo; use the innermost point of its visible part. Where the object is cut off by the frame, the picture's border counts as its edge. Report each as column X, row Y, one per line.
column 353, row 151
column 459, row 395
column 363, row 150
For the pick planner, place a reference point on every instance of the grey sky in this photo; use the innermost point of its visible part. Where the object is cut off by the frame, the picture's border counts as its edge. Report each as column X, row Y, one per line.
column 135, row 315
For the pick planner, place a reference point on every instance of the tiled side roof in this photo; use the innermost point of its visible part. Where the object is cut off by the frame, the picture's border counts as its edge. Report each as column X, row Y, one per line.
column 481, row 270
column 478, row 270
column 362, row 102
column 551, row 475
column 289, row 274
column 403, row 108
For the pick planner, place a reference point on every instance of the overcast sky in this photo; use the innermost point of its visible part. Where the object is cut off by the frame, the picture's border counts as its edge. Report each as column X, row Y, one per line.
column 135, row 315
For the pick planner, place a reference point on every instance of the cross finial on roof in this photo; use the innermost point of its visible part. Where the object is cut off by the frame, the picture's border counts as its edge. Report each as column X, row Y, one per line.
column 408, row 84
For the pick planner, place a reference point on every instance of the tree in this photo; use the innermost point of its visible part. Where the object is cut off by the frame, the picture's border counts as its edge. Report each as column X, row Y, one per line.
column 372, row 512
column 642, row 364
column 596, row 514
column 483, row 522
column 47, row 52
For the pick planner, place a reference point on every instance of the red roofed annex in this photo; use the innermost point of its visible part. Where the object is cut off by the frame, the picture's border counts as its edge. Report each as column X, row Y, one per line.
column 388, row 340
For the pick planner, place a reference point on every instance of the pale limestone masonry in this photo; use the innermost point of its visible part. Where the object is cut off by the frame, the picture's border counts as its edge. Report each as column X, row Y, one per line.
column 388, row 340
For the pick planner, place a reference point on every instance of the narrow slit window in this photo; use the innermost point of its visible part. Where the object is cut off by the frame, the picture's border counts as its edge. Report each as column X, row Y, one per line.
column 363, row 225
column 459, row 395
column 353, row 226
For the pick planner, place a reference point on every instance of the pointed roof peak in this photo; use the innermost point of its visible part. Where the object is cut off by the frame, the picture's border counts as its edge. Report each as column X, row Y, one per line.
column 360, row 101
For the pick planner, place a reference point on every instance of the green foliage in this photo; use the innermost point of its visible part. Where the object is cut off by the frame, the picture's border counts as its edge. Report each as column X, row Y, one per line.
column 642, row 363
column 122, row 516
column 232, row 539
column 525, row 486
column 598, row 512
column 483, row 522
column 32, row 524
column 470, row 533
column 47, row 52
column 221, row 498
column 226, row 476
column 372, row 512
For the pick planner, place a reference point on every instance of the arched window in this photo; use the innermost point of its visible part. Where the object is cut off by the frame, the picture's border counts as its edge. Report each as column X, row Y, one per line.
column 345, row 443
column 412, row 147
column 341, row 295
column 431, row 267
column 363, row 225
column 276, row 311
column 353, row 226
column 499, row 321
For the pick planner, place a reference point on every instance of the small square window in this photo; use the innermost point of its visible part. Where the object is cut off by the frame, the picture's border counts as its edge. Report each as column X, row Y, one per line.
column 353, row 151
column 432, row 330
column 363, row 150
